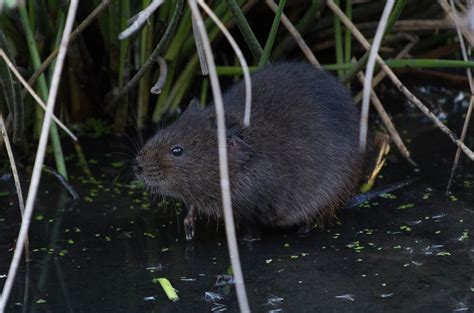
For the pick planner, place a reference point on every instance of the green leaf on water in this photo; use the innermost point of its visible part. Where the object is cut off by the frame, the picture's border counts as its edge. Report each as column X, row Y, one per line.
column 167, row 288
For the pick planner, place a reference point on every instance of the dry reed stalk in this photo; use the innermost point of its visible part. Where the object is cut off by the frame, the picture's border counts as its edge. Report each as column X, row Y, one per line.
column 223, row 166
column 240, row 56
column 33, row 93
column 43, row 142
column 296, row 35
column 369, row 72
column 413, row 99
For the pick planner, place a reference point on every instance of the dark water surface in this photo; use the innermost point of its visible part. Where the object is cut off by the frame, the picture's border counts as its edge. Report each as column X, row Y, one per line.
column 411, row 251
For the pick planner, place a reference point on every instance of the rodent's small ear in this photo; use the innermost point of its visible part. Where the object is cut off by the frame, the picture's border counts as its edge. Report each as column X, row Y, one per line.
column 233, row 127
column 193, row 106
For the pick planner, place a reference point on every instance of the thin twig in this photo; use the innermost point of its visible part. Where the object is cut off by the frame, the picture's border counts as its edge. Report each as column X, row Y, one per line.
column 381, row 75
column 240, row 56
column 140, row 19
column 369, row 72
column 471, row 102
column 296, row 35
column 199, row 48
column 156, row 89
column 33, row 93
column 388, row 122
column 62, row 180
column 35, row 177
column 413, row 99
column 16, row 179
column 84, row 24
column 223, row 166
column 167, row 36
column 460, row 23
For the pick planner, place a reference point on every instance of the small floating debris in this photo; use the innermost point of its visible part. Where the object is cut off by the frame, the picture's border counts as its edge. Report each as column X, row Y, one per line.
column 150, row 298
column 187, row 279
column 210, row 296
column 155, row 268
column 274, row 300
column 439, row 216
column 386, row 295
column 167, row 287
column 347, row 296
column 219, row 307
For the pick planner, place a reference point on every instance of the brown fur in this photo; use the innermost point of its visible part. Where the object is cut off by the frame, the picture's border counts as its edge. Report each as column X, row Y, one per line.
column 296, row 164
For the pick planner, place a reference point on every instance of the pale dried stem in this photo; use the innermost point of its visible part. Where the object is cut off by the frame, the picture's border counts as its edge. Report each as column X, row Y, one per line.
column 39, row 159
column 140, row 19
column 33, row 93
column 413, row 99
column 156, row 89
column 296, row 35
column 240, row 56
column 471, row 102
column 16, row 179
column 199, row 48
column 369, row 72
column 223, row 166
column 381, row 75
column 84, row 24
column 460, row 23
column 388, row 122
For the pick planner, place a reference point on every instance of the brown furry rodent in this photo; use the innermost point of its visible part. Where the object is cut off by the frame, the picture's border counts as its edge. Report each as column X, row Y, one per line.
column 295, row 164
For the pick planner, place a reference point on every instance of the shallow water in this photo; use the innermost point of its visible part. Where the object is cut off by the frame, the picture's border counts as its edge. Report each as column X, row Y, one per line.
column 410, row 251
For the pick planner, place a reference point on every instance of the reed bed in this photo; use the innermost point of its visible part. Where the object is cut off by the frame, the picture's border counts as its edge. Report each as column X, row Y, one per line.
column 117, row 50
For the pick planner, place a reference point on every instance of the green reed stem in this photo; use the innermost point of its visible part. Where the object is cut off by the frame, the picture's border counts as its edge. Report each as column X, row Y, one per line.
column 169, row 32
column 271, row 37
column 245, row 29
column 397, row 10
column 347, row 34
column 338, row 42
column 43, row 91
column 304, row 23
column 146, row 41
column 392, row 63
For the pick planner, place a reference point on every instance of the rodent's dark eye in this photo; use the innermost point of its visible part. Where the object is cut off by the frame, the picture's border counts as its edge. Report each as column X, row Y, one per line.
column 177, row 150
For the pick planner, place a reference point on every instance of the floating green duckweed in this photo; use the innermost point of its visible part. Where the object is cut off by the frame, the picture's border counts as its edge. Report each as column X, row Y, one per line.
column 406, row 206
column 443, row 253
column 149, row 235
column 405, row 228
column 390, row 196
column 465, row 235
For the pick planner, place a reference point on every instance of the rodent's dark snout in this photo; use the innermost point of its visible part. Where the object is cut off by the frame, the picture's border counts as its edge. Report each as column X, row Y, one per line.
column 137, row 167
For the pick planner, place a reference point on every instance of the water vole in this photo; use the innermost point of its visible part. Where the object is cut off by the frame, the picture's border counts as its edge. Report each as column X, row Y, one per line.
column 295, row 164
